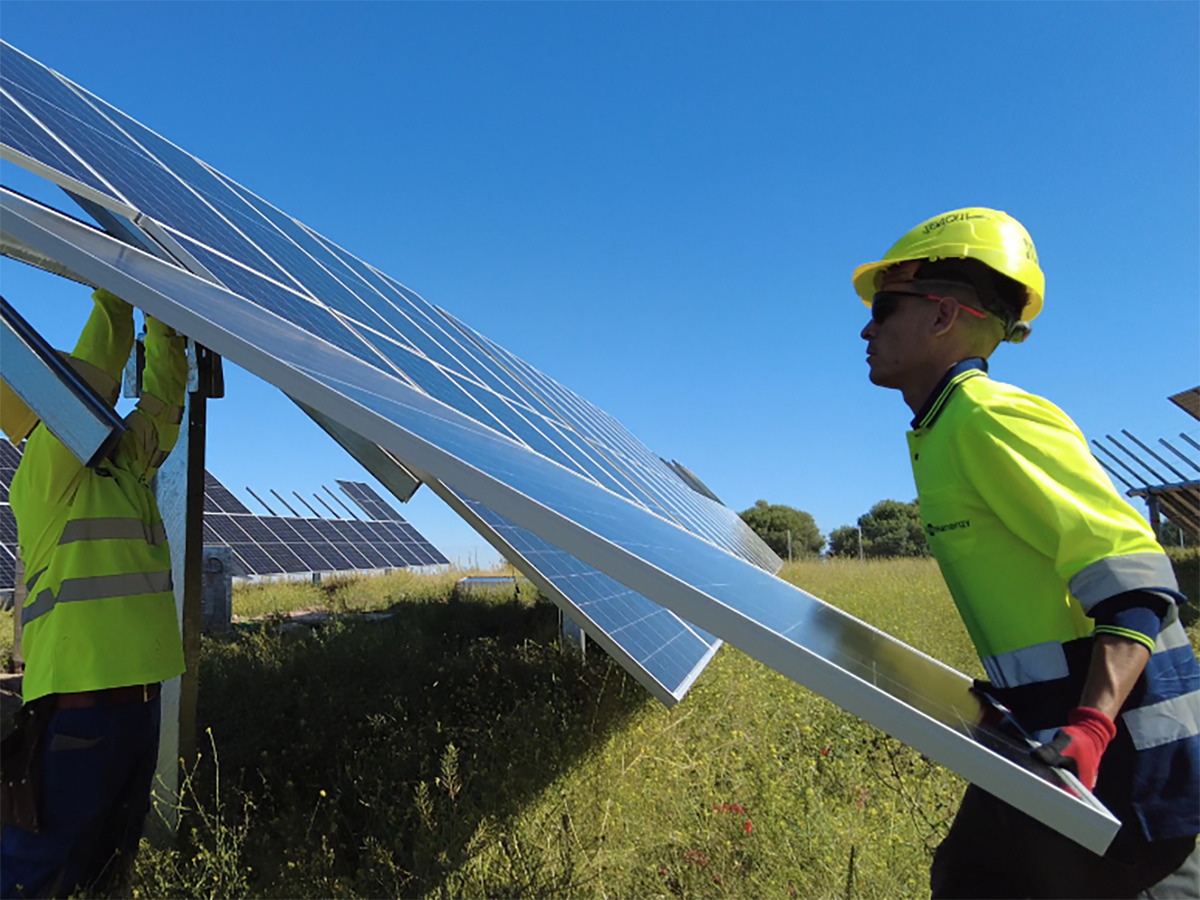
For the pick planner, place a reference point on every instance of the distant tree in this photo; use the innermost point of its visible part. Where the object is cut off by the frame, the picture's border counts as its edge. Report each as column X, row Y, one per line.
column 772, row 522
column 843, row 541
column 1171, row 535
column 892, row 528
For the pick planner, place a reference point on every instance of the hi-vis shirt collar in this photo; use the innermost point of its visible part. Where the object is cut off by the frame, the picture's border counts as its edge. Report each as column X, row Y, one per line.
column 956, row 375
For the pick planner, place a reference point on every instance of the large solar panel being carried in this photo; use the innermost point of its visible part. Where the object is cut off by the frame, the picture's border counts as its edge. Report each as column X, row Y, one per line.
column 651, row 567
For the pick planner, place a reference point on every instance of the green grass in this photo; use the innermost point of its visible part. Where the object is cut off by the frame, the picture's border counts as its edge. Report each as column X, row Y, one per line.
column 351, row 594
column 6, row 639
column 454, row 750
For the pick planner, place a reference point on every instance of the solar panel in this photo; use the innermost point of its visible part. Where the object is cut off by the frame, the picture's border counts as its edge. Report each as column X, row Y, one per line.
column 416, row 550
column 10, row 458
column 271, row 545
column 487, row 455
column 260, row 252
column 370, row 502
column 8, row 529
column 218, row 497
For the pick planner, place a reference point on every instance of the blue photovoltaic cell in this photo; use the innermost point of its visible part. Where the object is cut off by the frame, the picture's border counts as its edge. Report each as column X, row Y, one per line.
column 8, row 528
column 217, row 496
column 264, row 255
column 389, row 526
column 636, row 624
column 18, row 131
column 370, row 502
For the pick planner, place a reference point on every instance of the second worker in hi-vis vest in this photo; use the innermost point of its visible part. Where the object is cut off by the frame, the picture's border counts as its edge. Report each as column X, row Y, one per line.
column 1068, row 597
column 100, row 631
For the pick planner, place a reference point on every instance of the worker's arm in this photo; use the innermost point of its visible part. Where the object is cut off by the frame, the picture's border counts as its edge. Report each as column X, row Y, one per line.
column 103, row 347
column 154, row 424
column 1117, row 664
column 1033, row 468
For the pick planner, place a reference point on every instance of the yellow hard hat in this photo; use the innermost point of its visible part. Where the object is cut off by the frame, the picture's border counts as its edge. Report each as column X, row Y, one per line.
column 993, row 237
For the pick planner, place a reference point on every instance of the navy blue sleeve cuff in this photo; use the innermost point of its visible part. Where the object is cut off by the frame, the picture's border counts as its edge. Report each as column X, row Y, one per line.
column 1136, row 615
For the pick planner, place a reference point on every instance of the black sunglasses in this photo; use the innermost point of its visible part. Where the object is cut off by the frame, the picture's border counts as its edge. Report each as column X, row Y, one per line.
column 884, row 303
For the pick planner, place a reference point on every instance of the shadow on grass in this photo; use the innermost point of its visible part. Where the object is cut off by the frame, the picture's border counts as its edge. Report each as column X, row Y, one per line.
column 374, row 757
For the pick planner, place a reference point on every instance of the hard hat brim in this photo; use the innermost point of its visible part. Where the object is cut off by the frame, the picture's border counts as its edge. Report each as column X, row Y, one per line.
column 866, row 278
column 866, row 282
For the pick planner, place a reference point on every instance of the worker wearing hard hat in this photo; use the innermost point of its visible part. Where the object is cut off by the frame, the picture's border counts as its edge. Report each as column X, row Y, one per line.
column 1070, row 601
column 100, row 632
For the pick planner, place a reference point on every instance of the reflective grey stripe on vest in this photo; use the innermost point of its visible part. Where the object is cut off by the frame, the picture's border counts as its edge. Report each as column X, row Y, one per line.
column 97, row 587
column 113, row 529
column 36, row 575
column 1164, row 722
column 1040, row 662
column 1118, row 574
column 1172, row 634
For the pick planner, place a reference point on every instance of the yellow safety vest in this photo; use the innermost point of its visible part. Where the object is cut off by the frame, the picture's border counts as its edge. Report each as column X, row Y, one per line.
column 1025, row 525
column 1031, row 536
column 100, row 610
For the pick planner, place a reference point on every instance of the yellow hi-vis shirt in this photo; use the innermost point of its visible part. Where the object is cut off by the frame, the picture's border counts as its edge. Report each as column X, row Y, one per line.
column 1027, row 529
column 100, row 611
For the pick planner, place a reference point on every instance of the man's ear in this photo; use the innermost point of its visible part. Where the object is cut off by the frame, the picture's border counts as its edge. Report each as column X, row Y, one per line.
column 947, row 314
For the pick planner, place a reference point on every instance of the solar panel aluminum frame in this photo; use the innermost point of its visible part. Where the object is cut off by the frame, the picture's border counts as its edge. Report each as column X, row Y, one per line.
column 595, row 632
column 65, row 403
column 677, row 569
column 384, row 466
column 389, row 471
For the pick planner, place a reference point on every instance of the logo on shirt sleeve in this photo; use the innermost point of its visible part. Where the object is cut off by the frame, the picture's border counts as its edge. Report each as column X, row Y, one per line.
column 931, row 529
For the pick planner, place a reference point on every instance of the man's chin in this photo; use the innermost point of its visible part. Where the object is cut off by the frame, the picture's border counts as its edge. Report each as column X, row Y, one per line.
column 879, row 378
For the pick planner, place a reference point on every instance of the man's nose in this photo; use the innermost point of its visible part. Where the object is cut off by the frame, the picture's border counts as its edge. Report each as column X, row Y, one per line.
column 868, row 331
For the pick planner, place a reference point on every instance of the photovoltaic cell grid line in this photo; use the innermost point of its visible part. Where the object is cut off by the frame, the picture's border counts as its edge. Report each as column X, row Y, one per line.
column 272, row 545
column 368, row 501
column 289, row 270
column 10, row 458
column 918, row 700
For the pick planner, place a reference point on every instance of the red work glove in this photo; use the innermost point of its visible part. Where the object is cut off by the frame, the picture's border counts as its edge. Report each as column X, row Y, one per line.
column 1079, row 746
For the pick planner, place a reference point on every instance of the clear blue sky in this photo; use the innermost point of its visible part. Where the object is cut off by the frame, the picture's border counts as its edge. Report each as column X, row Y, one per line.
column 660, row 204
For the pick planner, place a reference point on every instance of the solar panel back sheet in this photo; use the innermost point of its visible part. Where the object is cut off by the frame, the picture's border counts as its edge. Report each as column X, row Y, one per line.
column 544, row 471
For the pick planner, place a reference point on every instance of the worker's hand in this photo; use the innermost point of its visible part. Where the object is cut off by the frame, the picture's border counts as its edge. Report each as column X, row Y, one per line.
column 991, row 716
column 153, row 325
column 1079, row 746
column 100, row 295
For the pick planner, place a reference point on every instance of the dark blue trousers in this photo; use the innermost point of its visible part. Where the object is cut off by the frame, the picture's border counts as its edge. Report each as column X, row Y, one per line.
column 97, row 767
column 994, row 850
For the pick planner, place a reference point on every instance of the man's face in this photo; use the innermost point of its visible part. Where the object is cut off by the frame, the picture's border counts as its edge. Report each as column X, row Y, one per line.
column 897, row 347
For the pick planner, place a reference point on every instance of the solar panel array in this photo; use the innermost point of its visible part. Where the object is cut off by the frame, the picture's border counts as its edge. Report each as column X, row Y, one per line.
column 273, row 545
column 10, row 457
column 1172, row 483
column 221, row 229
column 494, row 434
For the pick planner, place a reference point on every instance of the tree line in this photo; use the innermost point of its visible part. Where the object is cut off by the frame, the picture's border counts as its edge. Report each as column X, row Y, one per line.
column 890, row 528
